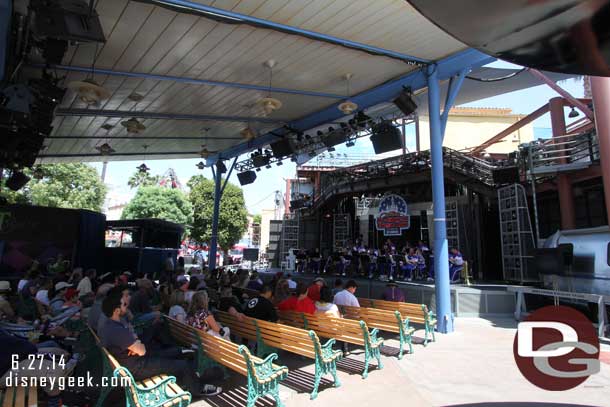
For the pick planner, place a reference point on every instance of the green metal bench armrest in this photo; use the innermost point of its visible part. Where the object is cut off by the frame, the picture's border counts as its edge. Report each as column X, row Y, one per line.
column 158, row 391
column 374, row 340
column 328, row 353
column 264, row 369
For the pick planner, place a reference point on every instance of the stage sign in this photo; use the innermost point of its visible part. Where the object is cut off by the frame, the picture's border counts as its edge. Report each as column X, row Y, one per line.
column 393, row 217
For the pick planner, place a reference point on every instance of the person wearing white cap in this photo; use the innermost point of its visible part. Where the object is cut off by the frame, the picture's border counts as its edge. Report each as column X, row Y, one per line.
column 58, row 301
column 6, row 311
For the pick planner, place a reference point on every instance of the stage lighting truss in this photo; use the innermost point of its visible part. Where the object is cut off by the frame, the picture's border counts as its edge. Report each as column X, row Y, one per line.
column 305, row 143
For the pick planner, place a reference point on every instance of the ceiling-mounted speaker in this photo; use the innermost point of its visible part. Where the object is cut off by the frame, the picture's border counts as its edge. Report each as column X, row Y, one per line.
column 282, row 148
column 246, row 177
column 260, row 160
column 17, row 180
column 405, row 103
column 505, row 175
column 563, row 36
column 386, row 137
column 334, row 138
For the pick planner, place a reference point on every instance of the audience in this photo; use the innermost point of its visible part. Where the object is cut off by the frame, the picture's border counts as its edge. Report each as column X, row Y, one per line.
column 346, row 296
column 261, row 307
column 299, row 303
column 313, row 291
column 325, row 304
column 200, row 317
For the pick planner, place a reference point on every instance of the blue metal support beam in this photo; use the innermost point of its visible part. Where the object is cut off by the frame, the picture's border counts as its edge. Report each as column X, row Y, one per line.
column 6, row 11
column 441, row 251
column 191, row 81
column 164, row 116
column 214, row 239
column 454, row 88
column 238, row 18
column 222, row 191
column 416, row 80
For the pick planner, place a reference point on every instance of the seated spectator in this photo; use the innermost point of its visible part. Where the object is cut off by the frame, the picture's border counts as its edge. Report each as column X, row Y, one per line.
column 96, row 309
column 243, row 280
column 177, row 304
column 42, row 295
column 140, row 303
column 261, row 307
column 125, row 294
column 346, row 296
column 292, row 285
column 313, row 291
column 58, row 300
column 85, row 285
column 31, row 275
column 200, row 317
column 325, row 304
column 191, row 289
column 281, row 291
column 393, row 293
column 27, row 307
column 338, row 286
column 255, row 282
column 182, row 283
column 76, row 276
column 6, row 310
column 229, row 303
column 71, row 299
column 124, row 345
column 299, row 303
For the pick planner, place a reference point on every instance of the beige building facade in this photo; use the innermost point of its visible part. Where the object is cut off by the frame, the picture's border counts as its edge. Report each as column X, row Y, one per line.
column 469, row 127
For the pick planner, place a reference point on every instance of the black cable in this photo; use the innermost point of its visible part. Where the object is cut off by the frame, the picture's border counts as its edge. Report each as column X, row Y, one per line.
column 512, row 75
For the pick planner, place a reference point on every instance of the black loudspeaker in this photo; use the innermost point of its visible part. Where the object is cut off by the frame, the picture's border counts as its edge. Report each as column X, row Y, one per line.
column 386, row 137
column 282, row 148
column 260, row 160
column 17, row 181
column 405, row 103
column 334, row 138
column 250, row 254
column 506, row 175
column 69, row 20
column 246, row 177
column 221, row 167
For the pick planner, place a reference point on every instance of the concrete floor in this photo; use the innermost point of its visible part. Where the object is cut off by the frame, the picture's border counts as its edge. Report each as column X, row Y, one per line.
column 473, row 366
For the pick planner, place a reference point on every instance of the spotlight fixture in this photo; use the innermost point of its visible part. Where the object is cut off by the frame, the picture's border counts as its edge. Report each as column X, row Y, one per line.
column 331, row 129
column 142, row 168
column 268, row 166
column 307, row 137
column 331, row 149
column 350, row 143
column 293, row 159
column 258, row 170
column 279, row 163
column 200, row 165
column 573, row 113
column 319, row 133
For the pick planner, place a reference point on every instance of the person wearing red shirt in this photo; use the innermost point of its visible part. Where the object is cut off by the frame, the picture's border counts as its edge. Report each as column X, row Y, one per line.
column 299, row 303
column 313, row 292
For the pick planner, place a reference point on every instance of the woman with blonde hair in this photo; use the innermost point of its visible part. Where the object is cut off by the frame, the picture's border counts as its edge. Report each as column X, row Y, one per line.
column 177, row 304
column 200, row 317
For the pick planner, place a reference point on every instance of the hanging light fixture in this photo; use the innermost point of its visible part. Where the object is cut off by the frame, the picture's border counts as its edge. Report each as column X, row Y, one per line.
column 88, row 90
column 269, row 103
column 248, row 133
column 200, row 165
column 573, row 113
column 348, row 107
column 142, row 168
column 105, row 149
column 133, row 125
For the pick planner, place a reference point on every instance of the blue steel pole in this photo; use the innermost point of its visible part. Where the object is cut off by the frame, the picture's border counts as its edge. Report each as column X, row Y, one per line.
column 441, row 254
column 214, row 239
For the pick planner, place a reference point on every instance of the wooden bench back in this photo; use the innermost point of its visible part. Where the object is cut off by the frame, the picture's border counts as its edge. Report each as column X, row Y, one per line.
column 417, row 313
column 341, row 329
column 382, row 319
column 19, row 396
column 280, row 336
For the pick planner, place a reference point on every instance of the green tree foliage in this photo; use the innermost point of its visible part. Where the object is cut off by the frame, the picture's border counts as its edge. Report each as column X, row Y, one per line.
column 160, row 203
column 233, row 220
column 72, row 185
column 258, row 218
column 142, row 179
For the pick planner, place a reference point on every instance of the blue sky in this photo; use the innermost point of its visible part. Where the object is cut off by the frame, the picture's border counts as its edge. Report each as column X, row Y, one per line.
column 260, row 194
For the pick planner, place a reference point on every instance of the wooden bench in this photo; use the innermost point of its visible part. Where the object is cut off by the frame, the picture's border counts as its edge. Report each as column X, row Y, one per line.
column 417, row 313
column 341, row 329
column 161, row 390
column 19, row 396
column 384, row 320
column 290, row 339
column 263, row 376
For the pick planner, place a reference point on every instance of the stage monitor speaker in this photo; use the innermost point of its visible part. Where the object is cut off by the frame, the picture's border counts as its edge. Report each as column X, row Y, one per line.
column 405, row 103
column 334, row 138
column 506, row 175
column 386, row 137
column 282, row 148
column 260, row 160
column 250, row 254
column 246, row 177
column 17, row 181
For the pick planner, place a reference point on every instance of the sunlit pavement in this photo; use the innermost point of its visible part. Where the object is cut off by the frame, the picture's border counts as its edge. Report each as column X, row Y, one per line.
column 473, row 365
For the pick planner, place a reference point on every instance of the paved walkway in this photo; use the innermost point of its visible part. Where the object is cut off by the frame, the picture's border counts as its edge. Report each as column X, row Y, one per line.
column 473, row 366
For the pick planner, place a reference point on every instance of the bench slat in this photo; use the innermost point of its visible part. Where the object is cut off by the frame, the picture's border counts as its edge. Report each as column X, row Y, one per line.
column 20, row 397
column 9, row 396
column 32, row 397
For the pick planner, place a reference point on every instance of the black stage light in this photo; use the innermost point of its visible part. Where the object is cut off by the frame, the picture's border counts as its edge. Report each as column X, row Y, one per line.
column 258, row 170
column 260, row 160
column 17, row 180
column 268, row 166
column 279, row 163
column 350, row 143
column 405, row 103
column 307, row 137
column 221, row 167
column 331, row 129
column 330, row 149
column 282, row 148
column 247, row 177
column 319, row 133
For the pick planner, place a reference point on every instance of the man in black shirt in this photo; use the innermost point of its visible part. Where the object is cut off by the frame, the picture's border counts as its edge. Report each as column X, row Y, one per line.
column 261, row 307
